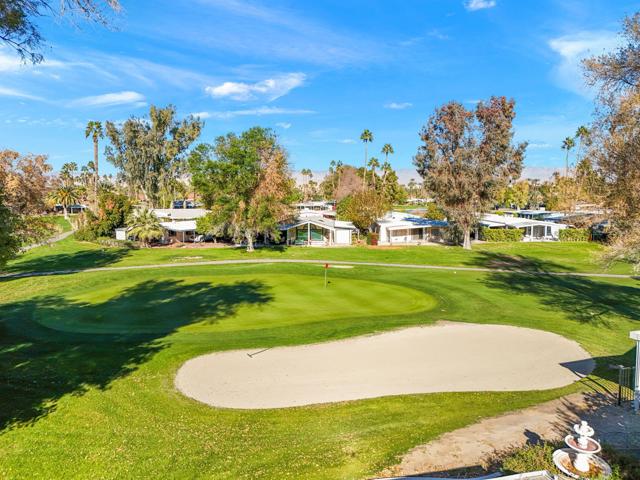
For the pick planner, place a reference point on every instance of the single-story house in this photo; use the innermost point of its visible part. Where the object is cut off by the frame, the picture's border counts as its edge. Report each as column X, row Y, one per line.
column 179, row 223
column 316, row 231
column 401, row 228
column 534, row 230
column 71, row 209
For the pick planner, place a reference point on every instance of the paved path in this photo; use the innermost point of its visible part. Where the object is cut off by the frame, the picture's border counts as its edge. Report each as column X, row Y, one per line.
column 474, row 447
column 55, row 238
column 330, row 262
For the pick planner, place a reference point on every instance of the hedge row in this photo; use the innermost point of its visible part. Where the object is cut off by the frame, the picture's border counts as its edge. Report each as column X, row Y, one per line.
column 575, row 235
column 501, row 234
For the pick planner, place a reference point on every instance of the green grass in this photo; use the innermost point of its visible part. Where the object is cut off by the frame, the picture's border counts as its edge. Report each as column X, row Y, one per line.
column 62, row 223
column 88, row 360
column 565, row 257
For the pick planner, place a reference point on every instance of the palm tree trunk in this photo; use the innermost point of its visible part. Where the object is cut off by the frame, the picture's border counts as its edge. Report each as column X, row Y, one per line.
column 364, row 176
column 96, row 175
column 249, row 238
column 66, row 214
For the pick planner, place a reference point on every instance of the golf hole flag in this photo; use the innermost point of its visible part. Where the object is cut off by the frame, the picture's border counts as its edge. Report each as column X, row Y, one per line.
column 326, row 267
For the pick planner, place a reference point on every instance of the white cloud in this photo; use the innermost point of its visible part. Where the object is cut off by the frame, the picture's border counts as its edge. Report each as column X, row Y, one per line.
column 12, row 92
column 572, row 49
column 473, row 5
column 256, row 112
column 537, row 146
column 111, row 99
column 283, row 125
column 347, row 140
column 271, row 88
column 201, row 115
column 398, row 106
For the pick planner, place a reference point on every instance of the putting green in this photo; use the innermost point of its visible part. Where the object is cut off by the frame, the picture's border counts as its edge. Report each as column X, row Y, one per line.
column 221, row 303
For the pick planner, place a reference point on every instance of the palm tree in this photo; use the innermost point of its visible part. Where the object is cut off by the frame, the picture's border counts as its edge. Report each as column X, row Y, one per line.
column 387, row 150
column 386, row 168
column 145, row 226
column 306, row 175
column 367, row 137
column 582, row 134
column 94, row 130
column 65, row 195
column 567, row 144
column 373, row 163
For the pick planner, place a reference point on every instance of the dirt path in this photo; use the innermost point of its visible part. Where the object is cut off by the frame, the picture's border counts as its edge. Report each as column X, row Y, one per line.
column 472, row 447
column 55, row 238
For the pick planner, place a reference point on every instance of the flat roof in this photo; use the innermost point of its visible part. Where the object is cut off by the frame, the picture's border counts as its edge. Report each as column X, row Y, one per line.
column 179, row 213
column 184, row 226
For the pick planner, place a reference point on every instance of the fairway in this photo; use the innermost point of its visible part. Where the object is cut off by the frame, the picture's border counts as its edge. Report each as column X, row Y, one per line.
column 90, row 361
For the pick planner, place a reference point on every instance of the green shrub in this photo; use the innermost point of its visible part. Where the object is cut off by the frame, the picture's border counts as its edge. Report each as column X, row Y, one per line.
column 501, row 234
column 532, row 458
column 575, row 235
column 85, row 234
column 112, row 242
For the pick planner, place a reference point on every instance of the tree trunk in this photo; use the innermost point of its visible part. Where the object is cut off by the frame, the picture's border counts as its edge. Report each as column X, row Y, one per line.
column 96, row 175
column 249, row 238
column 66, row 214
column 364, row 176
column 466, row 243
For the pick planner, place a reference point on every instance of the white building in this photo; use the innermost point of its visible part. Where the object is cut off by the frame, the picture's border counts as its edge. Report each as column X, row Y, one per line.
column 401, row 228
column 534, row 230
column 317, row 230
column 179, row 223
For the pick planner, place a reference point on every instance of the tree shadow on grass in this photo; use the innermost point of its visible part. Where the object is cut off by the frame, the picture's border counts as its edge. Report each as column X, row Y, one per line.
column 39, row 364
column 65, row 262
column 582, row 299
column 502, row 261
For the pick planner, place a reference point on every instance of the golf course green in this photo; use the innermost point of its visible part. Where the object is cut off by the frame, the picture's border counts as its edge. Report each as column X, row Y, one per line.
column 88, row 360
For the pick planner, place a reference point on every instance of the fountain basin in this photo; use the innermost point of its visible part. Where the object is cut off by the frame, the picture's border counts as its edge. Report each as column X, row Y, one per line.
column 565, row 458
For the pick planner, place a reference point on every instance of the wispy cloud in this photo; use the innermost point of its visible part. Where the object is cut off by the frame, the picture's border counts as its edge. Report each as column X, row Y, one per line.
column 473, row 5
column 574, row 48
column 12, row 92
column 111, row 99
column 242, row 27
column 254, row 112
column 398, row 105
column 347, row 140
column 271, row 88
column 284, row 125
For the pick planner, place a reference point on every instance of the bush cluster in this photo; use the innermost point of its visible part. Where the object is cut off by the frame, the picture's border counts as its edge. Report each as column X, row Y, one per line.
column 113, row 209
column 501, row 234
column 532, row 458
column 575, row 235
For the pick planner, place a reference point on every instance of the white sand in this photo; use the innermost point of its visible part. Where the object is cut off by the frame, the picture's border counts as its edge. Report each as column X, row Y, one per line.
column 449, row 357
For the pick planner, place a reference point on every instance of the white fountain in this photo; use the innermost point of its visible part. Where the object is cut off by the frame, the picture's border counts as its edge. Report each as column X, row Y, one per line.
column 580, row 459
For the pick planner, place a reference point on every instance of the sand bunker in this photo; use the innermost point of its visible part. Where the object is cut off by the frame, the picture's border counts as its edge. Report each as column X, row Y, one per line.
column 449, row 357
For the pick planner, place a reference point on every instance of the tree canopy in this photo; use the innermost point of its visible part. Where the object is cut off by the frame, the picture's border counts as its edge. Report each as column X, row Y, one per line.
column 245, row 181
column 18, row 21
column 467, row 156
column 150, row 153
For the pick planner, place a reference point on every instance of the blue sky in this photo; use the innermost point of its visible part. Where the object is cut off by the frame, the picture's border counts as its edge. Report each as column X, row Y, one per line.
column 317, row 72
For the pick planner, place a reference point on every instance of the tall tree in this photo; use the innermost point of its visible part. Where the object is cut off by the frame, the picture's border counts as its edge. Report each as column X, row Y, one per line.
column 583, row 136
column 467, row 156
column 25, row 181
column 616, row 137
column 9, row 243
column 366, row 137
column 94, row 130
column 246, row 183
column 18, row 28
column 363, row 208
column 373, row 164
column 150, row 153
column 567, row 145
column 387, row 150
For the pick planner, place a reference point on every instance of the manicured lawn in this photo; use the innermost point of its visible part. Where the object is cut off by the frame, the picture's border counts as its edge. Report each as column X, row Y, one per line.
column 63, row 224
column 565, row 257
column 88, row 361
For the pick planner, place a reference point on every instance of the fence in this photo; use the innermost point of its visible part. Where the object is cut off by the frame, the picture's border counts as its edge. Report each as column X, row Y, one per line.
column 625, row 384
